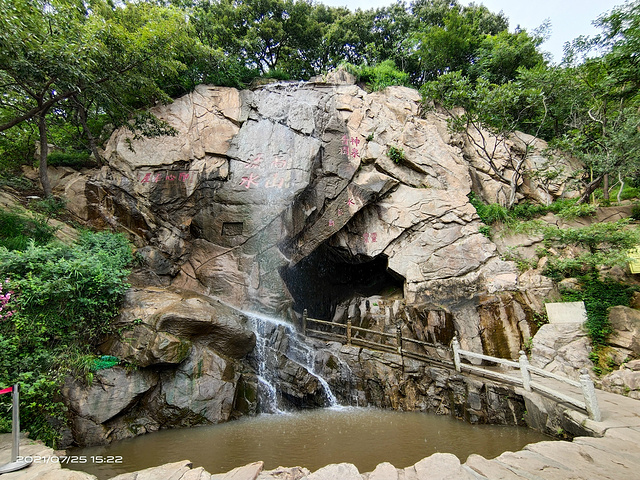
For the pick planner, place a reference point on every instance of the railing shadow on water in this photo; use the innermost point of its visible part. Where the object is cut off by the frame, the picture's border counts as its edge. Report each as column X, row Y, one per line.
column 440, row 355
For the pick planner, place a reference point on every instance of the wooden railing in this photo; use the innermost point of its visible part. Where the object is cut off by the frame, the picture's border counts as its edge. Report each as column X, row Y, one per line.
column 590, row 403
column 388, row 342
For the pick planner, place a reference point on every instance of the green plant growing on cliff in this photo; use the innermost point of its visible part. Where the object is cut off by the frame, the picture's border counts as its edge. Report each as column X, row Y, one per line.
column 396, row 154
column 599, row 296
column 64, row 299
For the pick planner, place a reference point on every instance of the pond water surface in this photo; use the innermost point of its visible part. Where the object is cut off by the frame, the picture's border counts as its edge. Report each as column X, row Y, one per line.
column 313, row 439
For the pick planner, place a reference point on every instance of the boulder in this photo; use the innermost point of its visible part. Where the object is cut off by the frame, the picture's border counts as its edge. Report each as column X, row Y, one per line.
column 283, row 473
column 143, row 346
column 562, row 348
column 168, row 471
column 112, row 392
column 163, row 323
column 625, row 380
column 625, row 324
column 336, row 471
column 248, row 472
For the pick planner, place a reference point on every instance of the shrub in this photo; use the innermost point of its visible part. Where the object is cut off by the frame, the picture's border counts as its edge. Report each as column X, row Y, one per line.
column 598, row 297
column 577, row 210
column 396, row 154
column 380, row 76
column 16, row 231
column 64, row 300
column 71, row 159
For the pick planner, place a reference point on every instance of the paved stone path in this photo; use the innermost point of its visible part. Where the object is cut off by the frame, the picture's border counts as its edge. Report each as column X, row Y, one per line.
column 613, row 453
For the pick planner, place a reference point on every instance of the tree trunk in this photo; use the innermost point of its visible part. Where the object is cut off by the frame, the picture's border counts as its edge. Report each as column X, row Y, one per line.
column 44, row 153
column 605, row 187
column 82, row 115
column 589, row 190
column 621, row 186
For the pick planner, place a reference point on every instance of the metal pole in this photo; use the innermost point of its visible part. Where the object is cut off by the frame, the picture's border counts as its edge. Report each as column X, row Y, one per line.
column 15, row 465
column 15, row 425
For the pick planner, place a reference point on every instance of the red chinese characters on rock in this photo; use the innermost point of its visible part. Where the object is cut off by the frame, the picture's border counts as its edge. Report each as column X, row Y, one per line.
column 259, row 172
column 350, row 146
column 162, row 177
column 370, row 237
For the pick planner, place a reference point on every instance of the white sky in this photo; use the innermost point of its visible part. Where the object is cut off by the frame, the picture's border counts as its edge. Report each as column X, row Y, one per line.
column 569, row 18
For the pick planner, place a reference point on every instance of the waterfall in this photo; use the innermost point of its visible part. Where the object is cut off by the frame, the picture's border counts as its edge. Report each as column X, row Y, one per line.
column 273, row 337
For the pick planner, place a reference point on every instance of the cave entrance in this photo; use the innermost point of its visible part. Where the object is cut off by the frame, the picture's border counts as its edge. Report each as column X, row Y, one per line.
column 327, row 277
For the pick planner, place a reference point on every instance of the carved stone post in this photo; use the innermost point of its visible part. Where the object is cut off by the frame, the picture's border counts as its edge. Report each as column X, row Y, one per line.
column 589, row 392
column 524, row 370
column 349, row 332
column 455, row 345
column 399, row 338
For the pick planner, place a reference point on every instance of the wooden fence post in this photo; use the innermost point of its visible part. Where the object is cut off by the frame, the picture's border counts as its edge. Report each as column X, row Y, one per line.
column 589, row 392
column 399, row 338
column 456, row 356
column 524, row 370
column 349, row 332
column 304, row 321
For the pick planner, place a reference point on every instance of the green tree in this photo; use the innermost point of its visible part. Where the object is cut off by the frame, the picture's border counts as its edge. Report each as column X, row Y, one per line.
column 489, row 117
column 67, row 54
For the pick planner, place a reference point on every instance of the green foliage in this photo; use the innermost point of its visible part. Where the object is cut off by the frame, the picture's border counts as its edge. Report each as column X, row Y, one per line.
column 75, row 160
column 50, row 207
column 104, row 362
column 635, row 211
column 599, row 296
column 577, row 210
column 485, row 230
column 489, row 214
column 17, row 231
column 523, row 264
column 396, row 154
column 64, row 298
column 379, row 76
column 604, row 236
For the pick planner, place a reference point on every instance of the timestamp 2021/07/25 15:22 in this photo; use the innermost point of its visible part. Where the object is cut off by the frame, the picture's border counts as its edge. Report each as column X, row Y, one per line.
column 71, row 458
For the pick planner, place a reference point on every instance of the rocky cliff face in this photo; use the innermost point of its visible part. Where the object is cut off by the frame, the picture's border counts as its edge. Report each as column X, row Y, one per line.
column 287, row 196
column 294, row 195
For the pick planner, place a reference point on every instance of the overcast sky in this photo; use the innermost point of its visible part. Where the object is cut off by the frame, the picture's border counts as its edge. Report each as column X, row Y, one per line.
column 569, row 18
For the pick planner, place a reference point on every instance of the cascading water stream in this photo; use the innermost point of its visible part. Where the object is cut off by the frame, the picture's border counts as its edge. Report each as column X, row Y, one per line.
column 296, row 351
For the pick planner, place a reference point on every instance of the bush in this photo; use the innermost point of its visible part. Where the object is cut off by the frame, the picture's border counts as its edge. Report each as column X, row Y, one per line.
column 577, row 210
column 598, row 297
column 75, row 160
column 64, row 300
column 396, row 154
column 16, row 231
column 379, row 76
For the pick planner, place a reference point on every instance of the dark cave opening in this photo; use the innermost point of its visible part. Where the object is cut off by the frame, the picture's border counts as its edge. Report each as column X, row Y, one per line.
column 326, row 278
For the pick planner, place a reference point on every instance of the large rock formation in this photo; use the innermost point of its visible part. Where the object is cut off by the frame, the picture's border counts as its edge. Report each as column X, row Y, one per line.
column 283, row 198
column 286, row 196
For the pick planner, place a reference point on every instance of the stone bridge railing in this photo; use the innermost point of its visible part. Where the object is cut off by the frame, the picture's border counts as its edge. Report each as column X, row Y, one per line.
column 585, row 385
column 439, row 355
